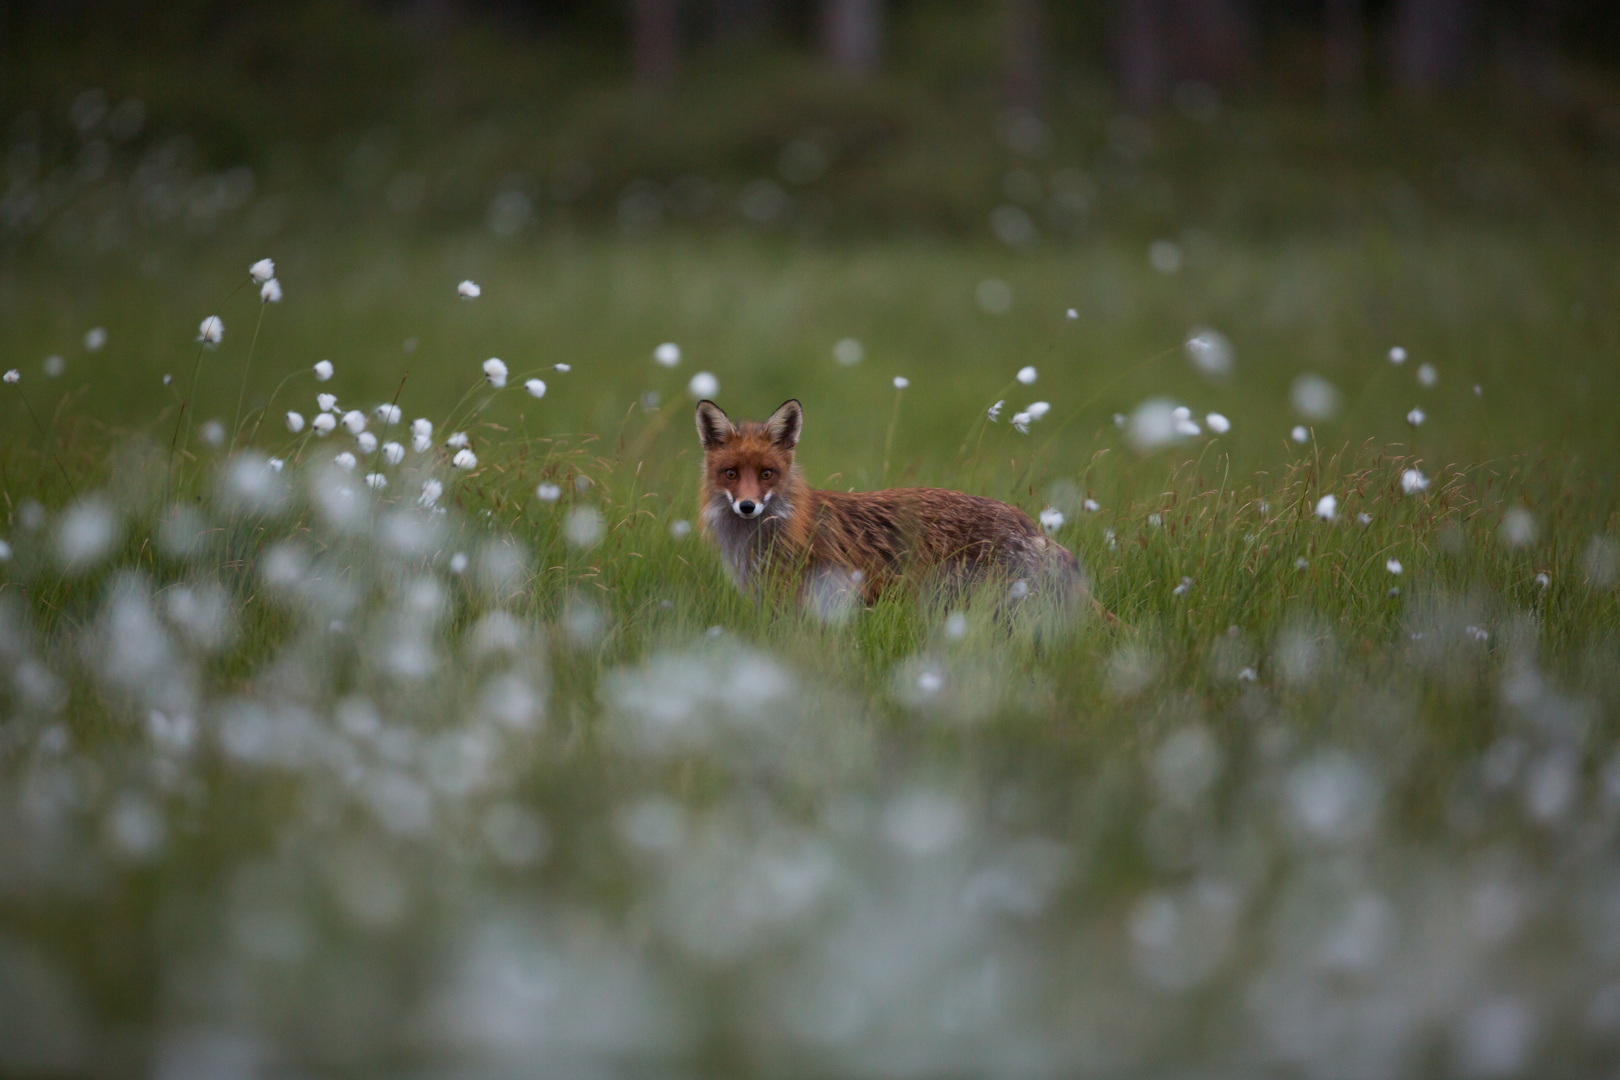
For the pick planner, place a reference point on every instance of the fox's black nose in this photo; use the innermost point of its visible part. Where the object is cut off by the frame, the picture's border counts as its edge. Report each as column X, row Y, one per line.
column 747, row 507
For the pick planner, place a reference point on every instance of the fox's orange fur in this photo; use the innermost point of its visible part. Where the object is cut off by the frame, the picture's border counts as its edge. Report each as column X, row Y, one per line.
column 767, row 521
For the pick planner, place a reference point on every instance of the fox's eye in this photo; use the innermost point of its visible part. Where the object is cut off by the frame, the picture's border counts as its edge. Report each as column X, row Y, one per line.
column 731, row 474
column 766, row 474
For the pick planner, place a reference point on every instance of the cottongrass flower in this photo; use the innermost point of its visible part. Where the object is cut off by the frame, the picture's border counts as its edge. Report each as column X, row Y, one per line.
column 431, row 490
column 564, row 368
column 1090, row 505
column 393, row 453
column 1397, row 355
column 1393, row 566
column 263, row 271
column 548, row 493
column 421, row 444
column 326, row 402
column 1051, row 519
column 276, row 464
column 1519, row 528
column 1413, row 481
column 1211, row 353
column 1073, row 313
column 388, row 414
column 703, row 385
column 1185, row 425
column 1151, row 426
column 583, row 527
column 1543, row 580
column 1314, row 397
column 324, row 424
column 1427, row 375
column 344, row 461
column 849, row 352
column 1021, row 422
column 536, row 388
column 1027, row 375
column 211, row 331
column 95, row 339
column 422, row 427
column 680, row 529
column 465, row 460
column 295, row 422
column 53, row 367
column 1299, row 434
column 1327, row 507
column 12, row 376
column 323, row 370
column 468, row 290
column 667, row 355
column 901, row 382
column 270, row 292
column 376, row 481
column 495, row 372
column 213, row 433
column 994, row 412
column 1038, row 409
column 1183, row 588
column 366, row 441
column 1416, row 417
column 457, row 440
column 1218, row 423
column 354, row 421
column 1364, row 518
column 1302, row 563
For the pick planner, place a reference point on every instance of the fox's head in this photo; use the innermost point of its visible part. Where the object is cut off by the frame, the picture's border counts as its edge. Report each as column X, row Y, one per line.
column 749, row 465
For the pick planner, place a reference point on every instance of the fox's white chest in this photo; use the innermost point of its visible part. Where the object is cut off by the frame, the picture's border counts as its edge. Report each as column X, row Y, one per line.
column 743, row 545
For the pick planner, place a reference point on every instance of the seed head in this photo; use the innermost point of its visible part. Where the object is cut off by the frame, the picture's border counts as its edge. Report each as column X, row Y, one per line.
column 367, row 442
column 270, row 292
column 393, row 453
column 422, row 427
column 376, row 481
column 345, row 460
column 703, row 385
column 1027, row 375
column 1397, row 355
column 354, row 421
column 495, row 372
column 1217, row 423
column 1038, row 409
column 994, row 412
column 263, row 271
column 324, row 423
column 1416, row 417
column 12, row 376
column 388, row 414
column 295, row 422
column 431, row 490
column 323, row 370
column 1051, row 519
column 901, row 382
column 327, row 402
column 457, row 441
column 465, row 459
column 1327, row 507
column 536, row 388
column 667, row 355
column 468, row 290
column 1413, row 481
column 211, row 331
column 548, row 493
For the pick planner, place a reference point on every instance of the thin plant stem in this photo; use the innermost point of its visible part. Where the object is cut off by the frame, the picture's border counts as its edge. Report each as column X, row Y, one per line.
column 46, row 439
column 266, row 410
column 185, row 403
column 247, row 365
column 888, row 439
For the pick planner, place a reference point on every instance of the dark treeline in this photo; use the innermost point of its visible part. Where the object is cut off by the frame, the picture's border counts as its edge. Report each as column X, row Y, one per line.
column 1147, row 47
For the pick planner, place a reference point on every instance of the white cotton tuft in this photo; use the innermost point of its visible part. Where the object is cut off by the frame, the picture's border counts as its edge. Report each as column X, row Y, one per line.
column 1416, row 417
column 366, row 441
column 431, row 490
column 1021, row 422
column 344, row 461
column 263, row 271
column 327, row 402
column 536, row 388
column 376, row 481
column 1427, row 375
column 388, row 414
column 457, row 440
column 270, row 292
column 295, row 422
column 1051, row 519
column 1413, row 481
column 1038, row 409
column 354, row 421
column 468, row 290
column 421, row 444
column 12, row 376
column 548, row 493
column 393, row 453
column 211, row 331
column 495, row 372
column 564, row 368
column 901, row 382
column 1217, row 423
column 667, row 355
column 423, row 427
column 703, row 385
column 465, row 459
column 1027, row 375
column 994, row 411
column 1393, row 566
column 1299, row 434
column 1327, row 507
column 323, row 370
column 324, row 424
column 1397, row 355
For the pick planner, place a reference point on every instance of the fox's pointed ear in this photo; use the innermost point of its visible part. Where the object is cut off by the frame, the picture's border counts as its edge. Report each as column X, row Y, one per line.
column 714, row 427
column 785, row 424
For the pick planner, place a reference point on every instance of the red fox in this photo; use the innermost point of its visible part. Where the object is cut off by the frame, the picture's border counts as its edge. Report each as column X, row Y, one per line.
column 765, row 520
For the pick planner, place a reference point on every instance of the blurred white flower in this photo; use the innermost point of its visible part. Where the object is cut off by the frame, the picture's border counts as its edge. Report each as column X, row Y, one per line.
column 1327, row 507
column 994, row 412
column 468, row 290
column 295, row 422
column 53, row 367
column 1543, row 580
column 1038, row 409
column 1301, row 563
column 270, row 292
column 457, row 440
column 12, row 376
column 1397, row 355
column 680, row 529
column 1416, row 417
column 1021, row 421
column 458, row 563
column 1164, row 256
column 848, row 352
column 1427, row 375
column 388, row 414
column 323, row 370
column 548, row 492
column 1217, row 423
column 901, row 382
column 465, row 459
column 393, row 453
column 1364, row 518
column 703, row 385
column 1299, row 434
column 1519, row 527
column 1073, row 313
column 1211, row 353
column 1152, row 425
column 354, row 421
column 324, row 423
column 95, row 339
column 345, row 460
column 536, row 388
column 423, row 427
column 276, row 464
column 583, row 526
column 431, row 490
column 326, row 402
column 1051, row 519
column 1393, row 566
column 668, row 354
column 211, row 330
column 263, row 271
column 495, row 372
column 376, row 481
column 1413, row 481
column 213, row 433
column 366, row 441
column 1090, row 505
column 421, row 443
column 1314, row 397
column 1026, row 375
column 565, row 368
column 1182, row 588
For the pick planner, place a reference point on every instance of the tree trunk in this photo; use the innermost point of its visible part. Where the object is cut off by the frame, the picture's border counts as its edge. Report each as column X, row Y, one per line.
column 1431, row 42
column 655, row 41
column 1344, row 38
column 852, row 32
column 1024, row 42
column 1141, row 53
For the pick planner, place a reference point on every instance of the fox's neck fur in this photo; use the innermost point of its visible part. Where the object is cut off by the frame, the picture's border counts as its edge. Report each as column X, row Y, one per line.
column 778, row 537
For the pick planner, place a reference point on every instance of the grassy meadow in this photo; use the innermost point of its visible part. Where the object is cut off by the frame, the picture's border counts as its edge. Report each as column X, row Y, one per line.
column 302, row 775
